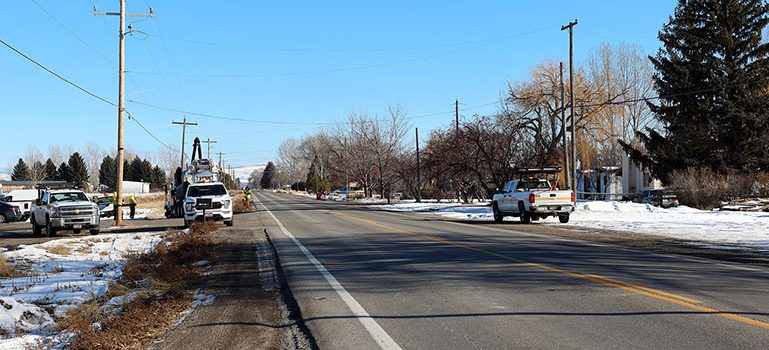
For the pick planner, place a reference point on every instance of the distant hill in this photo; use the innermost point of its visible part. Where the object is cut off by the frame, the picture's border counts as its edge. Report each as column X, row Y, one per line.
column 244, row 171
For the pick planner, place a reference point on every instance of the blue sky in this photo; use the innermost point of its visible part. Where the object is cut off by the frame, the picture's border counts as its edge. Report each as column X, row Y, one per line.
column 303, row 62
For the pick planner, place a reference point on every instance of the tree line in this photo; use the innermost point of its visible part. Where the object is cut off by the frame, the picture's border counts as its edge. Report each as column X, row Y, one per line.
column 77, row 171
column 698, row 105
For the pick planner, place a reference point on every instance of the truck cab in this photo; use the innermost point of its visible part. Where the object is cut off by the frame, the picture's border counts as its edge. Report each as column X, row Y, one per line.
column 64, row 209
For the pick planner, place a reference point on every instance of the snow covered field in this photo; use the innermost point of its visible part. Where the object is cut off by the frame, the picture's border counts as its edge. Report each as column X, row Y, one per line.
column 720, row 229
column 62, row 274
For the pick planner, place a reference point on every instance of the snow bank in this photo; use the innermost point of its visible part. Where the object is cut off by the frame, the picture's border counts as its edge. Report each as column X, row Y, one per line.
column 62, row 274
column 726, row 229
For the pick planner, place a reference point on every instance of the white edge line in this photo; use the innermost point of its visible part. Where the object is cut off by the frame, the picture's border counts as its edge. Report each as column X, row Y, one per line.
column 376, row 331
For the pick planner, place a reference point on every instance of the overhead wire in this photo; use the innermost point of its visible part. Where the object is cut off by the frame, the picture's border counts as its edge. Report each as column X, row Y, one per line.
column 343, row 69
column 82, row 89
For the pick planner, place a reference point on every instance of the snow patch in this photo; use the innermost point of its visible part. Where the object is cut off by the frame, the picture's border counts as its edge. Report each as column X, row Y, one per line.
column 718, row 229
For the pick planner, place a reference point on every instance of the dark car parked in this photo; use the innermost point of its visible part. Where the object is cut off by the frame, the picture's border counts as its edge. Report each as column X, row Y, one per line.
column 9, row 212
column 660, row 198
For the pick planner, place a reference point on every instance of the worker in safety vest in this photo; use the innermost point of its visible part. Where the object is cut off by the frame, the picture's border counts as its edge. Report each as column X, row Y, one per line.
column 132, row 204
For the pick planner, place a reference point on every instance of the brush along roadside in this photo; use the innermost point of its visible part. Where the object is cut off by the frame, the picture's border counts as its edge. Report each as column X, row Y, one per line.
column 152, row 293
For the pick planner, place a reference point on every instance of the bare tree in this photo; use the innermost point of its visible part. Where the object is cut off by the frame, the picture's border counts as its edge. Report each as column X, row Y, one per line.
column 34, row 158
column 291, row 165
column 93, row 156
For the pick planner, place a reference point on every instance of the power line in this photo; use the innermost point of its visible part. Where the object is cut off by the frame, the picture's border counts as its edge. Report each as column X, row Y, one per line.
column 341, row 69
column 84, row 90
column 257, row 121
column 57, row 75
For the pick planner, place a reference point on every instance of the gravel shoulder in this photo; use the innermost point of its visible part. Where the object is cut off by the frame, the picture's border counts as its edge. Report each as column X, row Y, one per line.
column 247, row 311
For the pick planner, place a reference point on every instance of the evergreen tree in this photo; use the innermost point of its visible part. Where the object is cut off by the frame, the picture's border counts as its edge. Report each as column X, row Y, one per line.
column 315, row 181
column 108, row 172
column 267, row 176
column 135, row 170
column 78, row 170
column 145, row 171
column 51, row 173
column 158, row 178
column 20, row 171
column 714, row 105
column 127, row 173
column 65, row 173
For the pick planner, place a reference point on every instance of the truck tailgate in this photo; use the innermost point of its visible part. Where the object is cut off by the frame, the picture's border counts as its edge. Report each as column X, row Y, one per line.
column 552, row 198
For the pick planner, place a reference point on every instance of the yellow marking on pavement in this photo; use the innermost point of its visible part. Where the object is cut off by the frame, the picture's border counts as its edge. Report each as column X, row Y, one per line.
column 629, row 287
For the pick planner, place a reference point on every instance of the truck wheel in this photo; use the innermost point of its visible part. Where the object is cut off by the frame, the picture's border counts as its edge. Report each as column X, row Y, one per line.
column 2, row 218
column 230, row 223
column 77, row 231
column 497, row 215
column 186, row 224
column 525, row 216
column 94, row 231
column 36, row 229
column 50, row 231
column 563, row 218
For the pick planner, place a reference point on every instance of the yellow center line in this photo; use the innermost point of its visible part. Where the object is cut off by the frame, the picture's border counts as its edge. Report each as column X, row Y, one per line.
column 629, row 287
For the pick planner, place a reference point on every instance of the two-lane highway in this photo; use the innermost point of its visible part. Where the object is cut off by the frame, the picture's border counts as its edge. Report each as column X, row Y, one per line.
column 367, row 279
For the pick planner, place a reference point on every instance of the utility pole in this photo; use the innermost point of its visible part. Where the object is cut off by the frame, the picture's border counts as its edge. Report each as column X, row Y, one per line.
column 419, row 170
column 220, row 161
column 209, row 142
column 456, row 115
column 570, row 27
column 184, row 124
column 566, row 173
column 121, row 100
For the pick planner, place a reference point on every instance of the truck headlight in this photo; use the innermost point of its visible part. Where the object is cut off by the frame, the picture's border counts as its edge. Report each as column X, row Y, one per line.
column 189, row 206
column 54, row 211
column 227, row 203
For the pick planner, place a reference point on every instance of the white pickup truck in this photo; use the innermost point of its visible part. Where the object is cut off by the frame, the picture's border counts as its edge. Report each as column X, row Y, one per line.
column 64, row 210
column 207, row 201
column 532, row 199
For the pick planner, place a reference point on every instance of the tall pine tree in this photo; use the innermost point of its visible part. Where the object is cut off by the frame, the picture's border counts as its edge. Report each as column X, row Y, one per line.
column 267, row 176
column 108, row 172
column 20, row 171
column 78, row 170
column 65, row 174
column 51, row 173
column 711, row 75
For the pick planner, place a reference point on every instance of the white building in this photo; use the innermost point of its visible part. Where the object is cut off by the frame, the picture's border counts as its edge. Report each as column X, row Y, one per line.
column 636, row 179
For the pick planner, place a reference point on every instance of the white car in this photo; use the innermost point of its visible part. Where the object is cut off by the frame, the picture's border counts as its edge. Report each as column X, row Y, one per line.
column 209, row 201
column 64, row 210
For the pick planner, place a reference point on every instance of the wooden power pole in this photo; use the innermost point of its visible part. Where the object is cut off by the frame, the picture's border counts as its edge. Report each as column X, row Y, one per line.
column 121, row 101
column 184, row 124
column 208, row 141
column 570, row 27
column 419, row 170
column 566, row 172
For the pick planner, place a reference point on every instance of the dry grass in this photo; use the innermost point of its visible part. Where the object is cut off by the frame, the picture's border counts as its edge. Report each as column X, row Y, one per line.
column 7, row 270
column 155, row 201
column 161, row 279
column 237, row 204
column 58, row 250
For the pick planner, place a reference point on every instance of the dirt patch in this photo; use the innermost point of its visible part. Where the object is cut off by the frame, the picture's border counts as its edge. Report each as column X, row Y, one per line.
column 7, row 269
column 58, row 250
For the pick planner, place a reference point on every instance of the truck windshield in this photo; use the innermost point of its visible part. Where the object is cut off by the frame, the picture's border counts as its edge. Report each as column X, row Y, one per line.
column 68, row 197
column 200, row 191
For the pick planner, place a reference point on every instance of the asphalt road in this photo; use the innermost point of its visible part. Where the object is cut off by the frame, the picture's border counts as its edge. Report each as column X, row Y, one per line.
column 367, row 279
